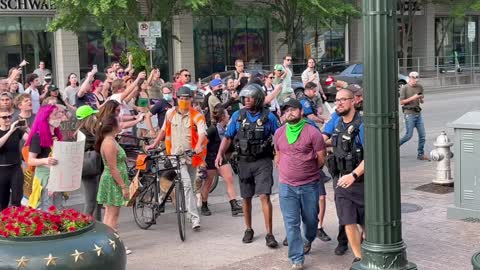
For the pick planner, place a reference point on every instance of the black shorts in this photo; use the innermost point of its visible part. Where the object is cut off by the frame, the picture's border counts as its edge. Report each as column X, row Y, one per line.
column 350, row 204
column 211, row 163
column 255, row 177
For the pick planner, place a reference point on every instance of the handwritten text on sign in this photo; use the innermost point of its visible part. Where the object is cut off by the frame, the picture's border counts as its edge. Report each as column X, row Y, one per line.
column 67, row 174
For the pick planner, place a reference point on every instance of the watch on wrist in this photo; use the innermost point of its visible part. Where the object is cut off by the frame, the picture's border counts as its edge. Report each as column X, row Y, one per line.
column 355, row 176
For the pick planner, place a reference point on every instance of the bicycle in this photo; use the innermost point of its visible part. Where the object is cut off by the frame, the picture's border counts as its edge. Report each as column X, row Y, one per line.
column 148, row 205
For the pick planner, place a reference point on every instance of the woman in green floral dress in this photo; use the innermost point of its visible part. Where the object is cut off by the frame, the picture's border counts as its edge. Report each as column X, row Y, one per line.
column 113, row 188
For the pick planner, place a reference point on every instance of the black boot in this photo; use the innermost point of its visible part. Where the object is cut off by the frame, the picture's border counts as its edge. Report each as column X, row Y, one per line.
column 236, row 209
column 204, row 210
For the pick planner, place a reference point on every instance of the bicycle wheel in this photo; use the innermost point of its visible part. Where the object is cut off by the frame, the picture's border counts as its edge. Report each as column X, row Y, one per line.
column 144, row 207
column 180, row 207
column 214, row 184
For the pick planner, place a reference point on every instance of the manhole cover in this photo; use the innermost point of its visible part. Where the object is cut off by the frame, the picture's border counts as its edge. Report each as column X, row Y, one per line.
column 410, row 207
column 435, row 188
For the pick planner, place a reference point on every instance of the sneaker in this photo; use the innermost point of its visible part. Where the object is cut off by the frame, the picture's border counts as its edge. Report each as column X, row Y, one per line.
column 306, row 248
column 357, row 259
column 205, row 211
column 248, row 236
column 196, row 225
column 127, row 251
column 322, row 235
column 270, row 241
column 298, row 266
column 340, row 250
column 285, row 242
column 423, row 157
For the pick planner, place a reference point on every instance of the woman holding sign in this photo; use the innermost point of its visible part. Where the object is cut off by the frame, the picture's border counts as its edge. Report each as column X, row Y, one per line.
column 45, row 130
column 113, row 189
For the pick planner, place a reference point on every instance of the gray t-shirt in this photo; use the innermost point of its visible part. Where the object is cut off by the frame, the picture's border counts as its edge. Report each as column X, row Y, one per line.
column 407, row 91
column 71, row 94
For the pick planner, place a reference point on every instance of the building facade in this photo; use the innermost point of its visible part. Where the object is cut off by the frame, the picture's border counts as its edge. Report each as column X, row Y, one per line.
column 209, row 44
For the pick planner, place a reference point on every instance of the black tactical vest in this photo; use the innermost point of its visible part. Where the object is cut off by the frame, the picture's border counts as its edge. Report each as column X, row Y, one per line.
column 347, row 155
column 250, row 141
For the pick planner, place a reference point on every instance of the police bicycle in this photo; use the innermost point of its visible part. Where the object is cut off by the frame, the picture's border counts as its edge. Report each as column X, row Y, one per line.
column 150, row 203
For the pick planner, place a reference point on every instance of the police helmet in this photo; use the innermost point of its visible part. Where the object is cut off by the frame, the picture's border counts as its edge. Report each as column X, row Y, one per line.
column 254, row 91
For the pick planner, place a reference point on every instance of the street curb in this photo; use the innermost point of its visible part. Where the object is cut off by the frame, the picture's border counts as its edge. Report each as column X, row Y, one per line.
column 450, row 88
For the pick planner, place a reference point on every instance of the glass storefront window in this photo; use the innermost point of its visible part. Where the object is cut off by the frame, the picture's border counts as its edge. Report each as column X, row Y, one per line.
column 452, row 43
column 25, row 38
column 219, row 41
column 327, row 44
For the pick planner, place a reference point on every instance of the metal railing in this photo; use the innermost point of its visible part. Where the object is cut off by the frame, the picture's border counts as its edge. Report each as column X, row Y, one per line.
column 443, row 71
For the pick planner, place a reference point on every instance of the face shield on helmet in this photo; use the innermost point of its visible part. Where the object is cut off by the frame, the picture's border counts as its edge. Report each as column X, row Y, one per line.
column 255, row 92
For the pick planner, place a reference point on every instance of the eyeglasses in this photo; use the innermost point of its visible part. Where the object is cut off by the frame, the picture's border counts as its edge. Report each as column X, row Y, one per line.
column 342, row 100
column 5, row 117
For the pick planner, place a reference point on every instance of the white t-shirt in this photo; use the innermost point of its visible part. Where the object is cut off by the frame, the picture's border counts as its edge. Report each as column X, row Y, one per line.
column 124, row 108
column 35, row 98
column 70, row 94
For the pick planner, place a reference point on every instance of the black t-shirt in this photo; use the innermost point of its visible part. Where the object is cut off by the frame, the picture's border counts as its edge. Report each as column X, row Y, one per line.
column 160, row 109
column 42, row 152
column 10, row 152
column 88, row 99
column 214, row 142
column 16, row 116
column 243, row 81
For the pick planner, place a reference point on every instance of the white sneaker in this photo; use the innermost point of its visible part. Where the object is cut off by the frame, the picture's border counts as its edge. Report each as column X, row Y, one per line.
column 196, row 225
column 127, row 251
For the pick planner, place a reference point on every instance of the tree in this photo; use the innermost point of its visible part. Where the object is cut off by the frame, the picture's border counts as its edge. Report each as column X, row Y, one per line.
column 293, row 17
column 118, row 18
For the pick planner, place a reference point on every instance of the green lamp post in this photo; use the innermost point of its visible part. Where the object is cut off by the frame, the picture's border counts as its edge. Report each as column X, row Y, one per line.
column 383, row 247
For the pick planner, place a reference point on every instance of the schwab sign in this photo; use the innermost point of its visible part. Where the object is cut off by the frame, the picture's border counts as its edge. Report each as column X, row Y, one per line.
column 31, row 6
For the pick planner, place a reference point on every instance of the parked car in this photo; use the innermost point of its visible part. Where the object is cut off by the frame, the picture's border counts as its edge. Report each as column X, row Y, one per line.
column 353, row 74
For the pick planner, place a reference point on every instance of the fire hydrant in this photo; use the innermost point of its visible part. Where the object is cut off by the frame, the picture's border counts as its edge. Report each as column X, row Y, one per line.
column 442, row 154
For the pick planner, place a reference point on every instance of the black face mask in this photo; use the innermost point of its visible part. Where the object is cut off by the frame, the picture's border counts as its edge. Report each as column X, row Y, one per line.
column 218, row 93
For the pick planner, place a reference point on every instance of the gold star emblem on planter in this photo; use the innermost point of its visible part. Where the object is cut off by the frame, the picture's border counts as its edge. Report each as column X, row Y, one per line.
column 98, row 250
column 22, row 262
column 112, row 243
column 51, row 260
column 77, row 255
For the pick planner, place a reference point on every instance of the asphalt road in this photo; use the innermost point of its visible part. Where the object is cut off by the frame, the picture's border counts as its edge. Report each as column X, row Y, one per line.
column 218, row 245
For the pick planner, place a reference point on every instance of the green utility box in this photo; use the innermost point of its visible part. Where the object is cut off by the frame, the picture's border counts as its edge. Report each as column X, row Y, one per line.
column 467, row 167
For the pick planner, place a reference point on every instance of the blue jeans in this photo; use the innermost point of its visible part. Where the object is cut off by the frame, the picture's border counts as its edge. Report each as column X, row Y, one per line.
column 414, row 121
column 299, row 205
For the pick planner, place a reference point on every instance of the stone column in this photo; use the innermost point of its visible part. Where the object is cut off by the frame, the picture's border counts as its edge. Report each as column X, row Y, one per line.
column 183, row 49
column 66, row 57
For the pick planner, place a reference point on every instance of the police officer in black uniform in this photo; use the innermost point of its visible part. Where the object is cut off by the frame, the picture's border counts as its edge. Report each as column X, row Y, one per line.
column 346, row 163
column 251, row 129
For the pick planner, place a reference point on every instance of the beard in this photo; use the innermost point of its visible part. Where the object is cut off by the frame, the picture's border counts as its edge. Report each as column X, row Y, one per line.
column 345, row 112
column 359, row 107
column 294, row 120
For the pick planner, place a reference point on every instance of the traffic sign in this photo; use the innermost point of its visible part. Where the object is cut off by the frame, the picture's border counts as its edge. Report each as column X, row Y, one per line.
column 472, row 31
column 143, row 29
column 156, row 29
column 150, row 43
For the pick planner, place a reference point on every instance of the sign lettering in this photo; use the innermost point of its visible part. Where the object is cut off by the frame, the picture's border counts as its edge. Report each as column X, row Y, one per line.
column 26, row 5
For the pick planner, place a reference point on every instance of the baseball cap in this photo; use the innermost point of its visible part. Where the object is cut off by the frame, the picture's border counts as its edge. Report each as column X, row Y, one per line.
column 356, row 89
column 84, row 112
column 215, row 83
column 8, row 94
column 52, row 87
column 291, row 102
column 48, row 77
column 278, row 67
column 184, row 91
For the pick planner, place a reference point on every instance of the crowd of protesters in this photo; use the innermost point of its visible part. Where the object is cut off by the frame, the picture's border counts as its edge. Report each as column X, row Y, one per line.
column 254, row 119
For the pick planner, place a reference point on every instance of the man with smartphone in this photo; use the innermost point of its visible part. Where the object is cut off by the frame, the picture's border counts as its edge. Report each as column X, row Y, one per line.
column 411, row 96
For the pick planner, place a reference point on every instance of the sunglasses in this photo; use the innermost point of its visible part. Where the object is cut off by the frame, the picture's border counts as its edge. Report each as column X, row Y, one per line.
column 5, row 117
column 288, row 59
column 187, row 75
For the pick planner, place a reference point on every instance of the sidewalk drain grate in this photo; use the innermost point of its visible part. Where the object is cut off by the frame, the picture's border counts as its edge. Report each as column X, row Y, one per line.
column 435, row 188
column 410, row 208
column 472, row 220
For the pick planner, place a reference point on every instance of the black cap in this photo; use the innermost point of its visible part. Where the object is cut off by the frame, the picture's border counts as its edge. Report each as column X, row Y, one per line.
column 291, row 102
column 184, row 91
column 52, row 87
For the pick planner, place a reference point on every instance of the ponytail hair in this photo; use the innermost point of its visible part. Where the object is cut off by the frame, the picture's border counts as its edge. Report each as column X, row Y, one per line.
column 106, row 126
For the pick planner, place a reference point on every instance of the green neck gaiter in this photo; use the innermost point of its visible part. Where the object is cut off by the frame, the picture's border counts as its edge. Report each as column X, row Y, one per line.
column 293, row 131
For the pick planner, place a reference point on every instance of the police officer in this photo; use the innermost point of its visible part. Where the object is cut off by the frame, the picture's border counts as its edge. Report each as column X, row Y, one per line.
column 252, row 129
column 308, row 104
column 346, row 164
column 328, row 130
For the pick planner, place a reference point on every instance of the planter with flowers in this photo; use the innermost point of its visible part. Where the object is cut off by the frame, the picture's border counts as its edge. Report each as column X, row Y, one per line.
column 66, row 239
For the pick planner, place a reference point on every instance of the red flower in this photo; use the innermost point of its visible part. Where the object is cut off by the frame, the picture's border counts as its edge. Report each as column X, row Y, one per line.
column 71, row 229
column 52, row 208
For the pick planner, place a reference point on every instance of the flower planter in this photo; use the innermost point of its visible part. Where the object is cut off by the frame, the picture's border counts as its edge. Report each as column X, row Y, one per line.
column 93, row 247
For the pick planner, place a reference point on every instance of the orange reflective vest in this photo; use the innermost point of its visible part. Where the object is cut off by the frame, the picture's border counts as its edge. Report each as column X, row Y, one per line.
column 195, row 117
